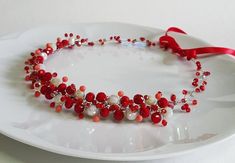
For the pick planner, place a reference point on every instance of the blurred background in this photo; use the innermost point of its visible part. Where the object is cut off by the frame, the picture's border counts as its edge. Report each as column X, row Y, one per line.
column 212, row 20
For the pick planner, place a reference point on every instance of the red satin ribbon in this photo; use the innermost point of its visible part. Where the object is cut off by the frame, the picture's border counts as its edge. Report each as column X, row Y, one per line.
column 167, row 41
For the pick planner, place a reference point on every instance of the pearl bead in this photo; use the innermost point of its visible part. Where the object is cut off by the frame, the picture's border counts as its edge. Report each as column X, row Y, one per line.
column 79, row 94
column 130, row 115
column 55, row 81
column 169, row 113
column 57, row 99
column 44, row 55
column 91, row 111
column 71, row 41
column 113, row 99
column 150, row 100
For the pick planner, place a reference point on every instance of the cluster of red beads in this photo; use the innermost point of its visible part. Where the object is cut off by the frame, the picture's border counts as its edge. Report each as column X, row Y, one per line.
column 101, row 106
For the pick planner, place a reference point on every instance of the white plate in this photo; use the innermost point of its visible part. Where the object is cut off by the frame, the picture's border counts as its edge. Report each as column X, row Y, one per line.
column 109, row 69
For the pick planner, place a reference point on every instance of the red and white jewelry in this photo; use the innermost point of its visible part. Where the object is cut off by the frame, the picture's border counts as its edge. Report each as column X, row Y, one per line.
column 155, row 108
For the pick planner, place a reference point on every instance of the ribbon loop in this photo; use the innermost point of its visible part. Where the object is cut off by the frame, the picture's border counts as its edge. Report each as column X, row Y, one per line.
column 169, row 42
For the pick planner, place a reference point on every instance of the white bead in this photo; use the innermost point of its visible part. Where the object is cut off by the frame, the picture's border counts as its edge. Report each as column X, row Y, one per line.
column 130, row 115
column 113, row 99
column 151, row 100
column 57, row 98
column 169, row 113
column 44, row 55
column 71, row 41
column 91, row 111
column 55, row 81
column 79, row 94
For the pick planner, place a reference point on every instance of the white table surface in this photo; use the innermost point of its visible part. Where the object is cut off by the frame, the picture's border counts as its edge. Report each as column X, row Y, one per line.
column 211, row 20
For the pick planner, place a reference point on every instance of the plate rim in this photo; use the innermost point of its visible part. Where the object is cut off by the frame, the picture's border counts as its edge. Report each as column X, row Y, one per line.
column 115, row 156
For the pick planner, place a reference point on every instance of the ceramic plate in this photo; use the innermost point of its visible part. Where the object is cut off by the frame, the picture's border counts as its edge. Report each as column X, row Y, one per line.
column 109, row 69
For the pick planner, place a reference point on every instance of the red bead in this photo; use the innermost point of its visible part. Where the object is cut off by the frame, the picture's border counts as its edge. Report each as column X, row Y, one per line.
column 38, row 51
column 48, row 50
column 196, row 80
column 197, row 74
column 39, row 59
column 26, row 68
column 78, row 108
column 202, row 87
column 120, row 93
column 37, row 94
column 27, row 78
column 204, row 83
column 206, row 73
column 198, row 63
column 124, row 101
column 65, row 79
column 188, row 110
column 69, row 103
column 58, row 108
column 184, row 92
column 100, row 105
column 138, row 99
column 79, row 101
column 134, row 108
column 101, row 97
column 144, row 112
column 104, row 112
column 162, row 102
column 173, row 97
column 82, row 88
column 49, row 96
column 96, row 118
column 114, row 107
column 199, row 68
column 63, row 98
column 194, row 102
column 41, row 73
column 163, row 111
column 184, row 107
column 118, row 115
column 54, row 74
column 158, row 95
column 65, row 42
column 156, row 117
column 90, row 97
column 43, row 90
column 154, row 107
column 52, row 104
column 59, row 45
column 83, row 40
column 71, row 89
column 197, row 90
column 164, row 122
column 62, row 87
column 90, row 43
column 142, row 39
column 194, row 84
column 80, row 115
column 47, row 76
column 139, row 118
